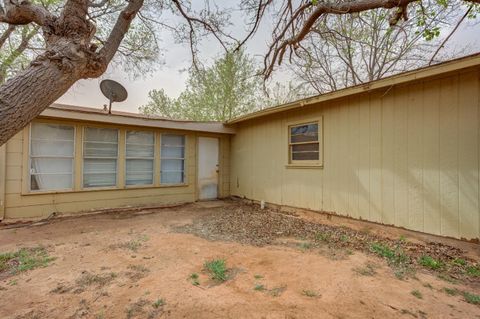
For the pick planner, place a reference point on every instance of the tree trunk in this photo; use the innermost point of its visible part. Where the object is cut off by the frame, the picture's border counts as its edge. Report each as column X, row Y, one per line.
column 26, row 95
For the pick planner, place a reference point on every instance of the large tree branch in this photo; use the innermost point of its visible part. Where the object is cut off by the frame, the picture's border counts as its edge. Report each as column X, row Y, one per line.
column 21, row 12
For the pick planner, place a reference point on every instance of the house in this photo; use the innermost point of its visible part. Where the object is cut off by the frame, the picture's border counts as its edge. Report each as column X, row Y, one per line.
column 402, row 151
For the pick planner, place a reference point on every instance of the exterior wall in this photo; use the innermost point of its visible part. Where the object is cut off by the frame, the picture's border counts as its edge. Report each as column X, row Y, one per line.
column 406, row 156
column 19, row 202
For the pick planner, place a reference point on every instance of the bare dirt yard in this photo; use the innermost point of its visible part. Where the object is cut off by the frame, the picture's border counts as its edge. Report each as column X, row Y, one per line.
column 229, row 259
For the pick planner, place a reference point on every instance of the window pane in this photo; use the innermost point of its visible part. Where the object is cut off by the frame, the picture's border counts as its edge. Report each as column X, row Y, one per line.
column 140, row 149
column 310, row 147
column 311, row 156
column 139, row 172
column 51, row 156
column 304, row 133
column 172, row 177
column 100, row 151
column 172, row 162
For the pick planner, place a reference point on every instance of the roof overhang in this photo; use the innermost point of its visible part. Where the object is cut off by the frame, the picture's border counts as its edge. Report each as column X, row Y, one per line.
column 70, row 114
column 418, row 74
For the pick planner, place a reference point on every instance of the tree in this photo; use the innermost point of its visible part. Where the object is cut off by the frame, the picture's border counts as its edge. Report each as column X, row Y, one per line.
column 225, row 90
column 77, row 45
column 345, row 51
column 73, row 52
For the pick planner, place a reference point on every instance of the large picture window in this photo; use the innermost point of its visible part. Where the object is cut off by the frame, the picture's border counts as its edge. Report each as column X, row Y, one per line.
column 51, row 156
column 100, row 153
column 172, row 159
column 304, row 145
column 140, row 150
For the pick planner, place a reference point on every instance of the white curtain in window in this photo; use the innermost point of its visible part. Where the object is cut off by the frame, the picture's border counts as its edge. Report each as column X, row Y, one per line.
column 140, row 149
column 51, row 156
column 100, row 152
column 172, row 159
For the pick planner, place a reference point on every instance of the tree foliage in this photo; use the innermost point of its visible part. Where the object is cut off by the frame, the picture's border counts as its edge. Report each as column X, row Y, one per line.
column 225, row 90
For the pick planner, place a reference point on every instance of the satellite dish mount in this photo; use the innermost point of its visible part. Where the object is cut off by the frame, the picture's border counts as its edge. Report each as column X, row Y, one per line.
column 114, row 92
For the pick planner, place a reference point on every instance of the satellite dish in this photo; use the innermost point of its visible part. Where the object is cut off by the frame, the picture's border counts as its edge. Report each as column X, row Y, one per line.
column 113, row 91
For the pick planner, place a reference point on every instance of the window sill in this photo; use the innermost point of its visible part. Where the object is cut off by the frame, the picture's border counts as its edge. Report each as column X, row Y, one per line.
column 100, row 189
column 304, row 166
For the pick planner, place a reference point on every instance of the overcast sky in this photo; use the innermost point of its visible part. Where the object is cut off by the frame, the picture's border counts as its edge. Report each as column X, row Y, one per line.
column 176, row 58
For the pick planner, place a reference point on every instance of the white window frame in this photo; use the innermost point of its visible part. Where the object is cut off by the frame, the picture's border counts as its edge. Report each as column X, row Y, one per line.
column 116, row 158
column 305, row 163
column 141, row 158
column 30, row 190
column 184, row 177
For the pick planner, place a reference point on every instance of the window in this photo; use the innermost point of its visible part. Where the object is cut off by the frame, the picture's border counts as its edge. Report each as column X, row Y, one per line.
column 100, row 152
column 51, row 156
column 140, row 150
column 173, row 159
column 304, row 143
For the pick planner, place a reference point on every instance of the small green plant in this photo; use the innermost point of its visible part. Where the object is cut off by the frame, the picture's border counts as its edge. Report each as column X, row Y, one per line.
column 417, row 294
column 24, row 259
column 217, row 269
column 257, row 276
column 310, row 293
column 397, row 259
column 450, row 291
column 323, row 236
column 430, row 262
column 473, row 271
column 194, row 279
column 402, row 239
column 460, row 261
column 471, row 298
column 158, row 303
column 344, row 238
column 259, row 287
column 13, row 282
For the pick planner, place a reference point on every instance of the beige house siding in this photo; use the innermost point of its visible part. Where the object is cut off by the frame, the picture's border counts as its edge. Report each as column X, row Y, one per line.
column 19, row 202
column 405, row 155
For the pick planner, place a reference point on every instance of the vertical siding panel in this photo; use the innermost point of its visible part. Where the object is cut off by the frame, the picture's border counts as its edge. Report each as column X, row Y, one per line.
column 375, row 158
column 353, row 156
column 468, row 147
column 327, row 158
column 449, row 157
column 388, row 158
column 343, row 162
column 363, row 163
column 415, row 157
column 431, row 156
column 400, row 151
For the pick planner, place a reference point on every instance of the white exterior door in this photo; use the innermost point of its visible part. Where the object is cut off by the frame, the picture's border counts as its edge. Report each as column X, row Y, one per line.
column 207, row 167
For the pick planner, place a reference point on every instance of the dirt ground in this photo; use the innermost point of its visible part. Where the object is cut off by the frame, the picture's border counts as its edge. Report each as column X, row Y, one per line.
column 140, row 265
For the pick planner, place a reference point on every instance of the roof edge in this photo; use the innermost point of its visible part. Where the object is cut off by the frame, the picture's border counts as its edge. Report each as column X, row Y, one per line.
column 409, row 76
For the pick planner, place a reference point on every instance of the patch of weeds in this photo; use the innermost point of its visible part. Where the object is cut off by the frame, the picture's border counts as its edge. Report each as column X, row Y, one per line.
column 217, row 269
column 24, row 259
column 427, row 285
column 136, row 309
column 417, row 294
column 132, row 245
column 450, row 291
column 310, row 293
column 473, row 271
column 100, row 315
column 397, row 259
column 194, row 279
column 277, row 291
column 344, row 238
column 447, row 278
column 402, row 239
column 323, row 236
column 259, row 287
column 99, row 280
column 13, row 282
column 430, row 262
column 367, row 270
column 157, row 304
column 460, row 262
column 137, row 272
column 305, row 246
column 257, row 276
column 471, row 298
